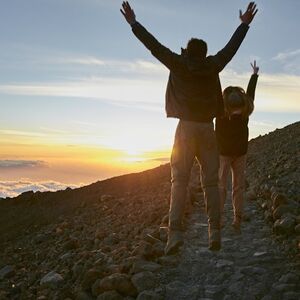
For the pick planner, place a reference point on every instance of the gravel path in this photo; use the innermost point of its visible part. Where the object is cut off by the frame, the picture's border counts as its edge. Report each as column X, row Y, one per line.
column 249, row 266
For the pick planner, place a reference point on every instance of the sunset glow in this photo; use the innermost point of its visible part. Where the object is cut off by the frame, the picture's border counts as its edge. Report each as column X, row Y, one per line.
column 82, row 100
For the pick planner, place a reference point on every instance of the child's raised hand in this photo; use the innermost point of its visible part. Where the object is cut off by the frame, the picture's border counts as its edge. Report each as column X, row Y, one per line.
column 254, row 67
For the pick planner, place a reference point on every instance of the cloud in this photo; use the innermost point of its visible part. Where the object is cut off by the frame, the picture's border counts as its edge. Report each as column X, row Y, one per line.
column 111, row 90
column 274, row 93
column 88, row 60
column 264, row 124
column 137, row 66
column 142, row 83
column 14, row 164
column 282, row 56
column 290, row 60
column 15, row 188
column 160, row 159
column 70, row 64
column 12, row 132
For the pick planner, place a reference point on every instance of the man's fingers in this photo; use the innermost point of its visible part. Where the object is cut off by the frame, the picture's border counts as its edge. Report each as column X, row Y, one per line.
column 250, row 5
column 241, row 13
column 125, row 5
column 252, row 66
column 253, row 8
column 255, row 13
column 127, row 8
column 122, row 12
column 128, row 4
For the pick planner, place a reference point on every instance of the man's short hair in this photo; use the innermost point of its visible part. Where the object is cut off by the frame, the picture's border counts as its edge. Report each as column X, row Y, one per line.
column 196, row 48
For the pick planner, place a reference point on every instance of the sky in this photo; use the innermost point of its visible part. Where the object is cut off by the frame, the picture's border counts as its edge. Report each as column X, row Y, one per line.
column 83, row 100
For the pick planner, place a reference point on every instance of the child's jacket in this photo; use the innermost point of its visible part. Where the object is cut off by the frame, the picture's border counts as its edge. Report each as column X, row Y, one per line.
column 232, row 134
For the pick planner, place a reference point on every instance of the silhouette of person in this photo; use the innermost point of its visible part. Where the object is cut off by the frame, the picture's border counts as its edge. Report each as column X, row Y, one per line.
column 232, row 136
column 194, row 96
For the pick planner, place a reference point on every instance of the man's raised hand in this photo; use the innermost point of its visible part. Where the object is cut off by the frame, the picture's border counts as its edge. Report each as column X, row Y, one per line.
column 128, row 13
column 249, row 14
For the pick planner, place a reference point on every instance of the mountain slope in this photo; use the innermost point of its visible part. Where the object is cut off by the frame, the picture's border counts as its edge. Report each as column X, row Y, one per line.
column 95, row 239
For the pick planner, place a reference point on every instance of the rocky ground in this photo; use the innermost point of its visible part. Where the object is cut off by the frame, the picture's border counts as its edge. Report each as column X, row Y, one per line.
column 106, row 240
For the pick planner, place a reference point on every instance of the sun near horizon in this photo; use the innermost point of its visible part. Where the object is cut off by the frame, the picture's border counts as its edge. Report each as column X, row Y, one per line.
column 82, row 100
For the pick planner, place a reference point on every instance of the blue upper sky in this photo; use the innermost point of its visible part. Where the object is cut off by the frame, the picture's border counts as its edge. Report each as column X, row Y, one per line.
column 73, row 73
column 63, row 41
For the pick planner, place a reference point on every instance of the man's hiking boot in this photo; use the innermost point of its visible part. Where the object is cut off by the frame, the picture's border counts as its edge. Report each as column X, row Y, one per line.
column 214, row 236
column 175, row 240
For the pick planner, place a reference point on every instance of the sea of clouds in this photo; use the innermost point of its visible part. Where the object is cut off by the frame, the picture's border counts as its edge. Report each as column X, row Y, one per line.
column 15, row 188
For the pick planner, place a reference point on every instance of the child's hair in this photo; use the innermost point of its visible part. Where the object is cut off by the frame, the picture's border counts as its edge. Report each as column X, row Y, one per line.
column 235, row 98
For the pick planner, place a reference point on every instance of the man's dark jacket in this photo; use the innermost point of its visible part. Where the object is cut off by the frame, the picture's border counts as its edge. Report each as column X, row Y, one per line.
column 194, row 90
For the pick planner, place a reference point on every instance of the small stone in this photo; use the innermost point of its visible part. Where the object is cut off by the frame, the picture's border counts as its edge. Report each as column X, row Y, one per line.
column 170, row 260
column 71, row 244
column 284, row 226
column 145, row 249
column 174, row 289
column 149, row 295
column 90, row 277
column 280, row 211
column 297, row 228
column 144, row 281
column 278, row 199
column 253, row 271
column 236, row 288
column 291, row 296
column 142, row 265
column 119, row 282
column 127, row 264
column 237, row 276
column 52, row 280
column 289, row 278
column 100, row 233
column 264, row 205
column 7, row 272
column 40, row 238
column 96, row 288
column 158, row 249
column 258, row 254
column 66, row 256
column 105, row 198
column 111, row 239
column 213, row 291
column 110, row 295
column 284, row 287
column 77, row 270
column 258, row 290
column 223, row 263
column 83, row 296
